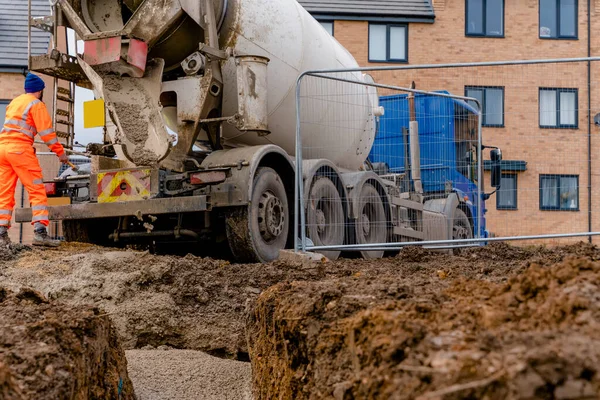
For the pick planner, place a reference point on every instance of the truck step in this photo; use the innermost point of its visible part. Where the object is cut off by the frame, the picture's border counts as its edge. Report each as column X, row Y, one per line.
column 63, row 98
column 65, row 91
column 63, row 113
column 64, row 122
column 63, row 135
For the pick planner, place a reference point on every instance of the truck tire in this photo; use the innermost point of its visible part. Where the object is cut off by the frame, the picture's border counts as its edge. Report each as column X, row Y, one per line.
column 258, row 231
column 87, row 231
column 371, row 224
column 461, row 227
column 75, row 231
column 325, row 221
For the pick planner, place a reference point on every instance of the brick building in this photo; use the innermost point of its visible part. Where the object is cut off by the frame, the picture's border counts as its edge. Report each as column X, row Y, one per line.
column 540, row 115
column 13, row 68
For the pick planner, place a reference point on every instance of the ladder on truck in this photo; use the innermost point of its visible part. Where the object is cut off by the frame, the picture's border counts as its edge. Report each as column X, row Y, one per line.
column 62, row 67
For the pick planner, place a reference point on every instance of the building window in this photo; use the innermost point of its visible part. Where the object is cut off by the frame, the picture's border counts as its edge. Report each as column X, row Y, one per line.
column 492, row 103
column 388, row 43
column 559, row 192
column 3, row 105
column 558, row 19
column 328, row 25
column 506, row 197
column 558, row 108
column 484, row 18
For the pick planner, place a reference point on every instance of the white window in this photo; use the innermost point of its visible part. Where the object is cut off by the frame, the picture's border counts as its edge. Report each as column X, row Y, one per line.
column 558, row 19
column 558, row 108
column 485, row 18
column 492, row 101
column 506, row 197
column 559, row 192
column 388, row 43
column 3, row 105
column 328, row 25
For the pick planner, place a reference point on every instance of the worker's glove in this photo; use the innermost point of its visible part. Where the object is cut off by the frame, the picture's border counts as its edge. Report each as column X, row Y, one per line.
column 64, row 158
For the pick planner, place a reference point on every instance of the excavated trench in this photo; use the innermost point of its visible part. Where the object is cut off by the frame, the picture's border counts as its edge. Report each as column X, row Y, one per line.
column 500, row 321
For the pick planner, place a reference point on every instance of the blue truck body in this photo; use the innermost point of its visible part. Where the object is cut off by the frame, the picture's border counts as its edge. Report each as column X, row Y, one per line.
column 442, row 121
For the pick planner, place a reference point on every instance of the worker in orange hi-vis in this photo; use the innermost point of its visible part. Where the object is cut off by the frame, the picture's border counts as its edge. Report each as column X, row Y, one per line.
column 26, row 116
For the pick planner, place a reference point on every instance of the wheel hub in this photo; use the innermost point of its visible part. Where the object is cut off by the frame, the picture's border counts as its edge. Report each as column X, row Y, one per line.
column 365, row 224
column 271, row 218
column 320, row 215
column 460, row 232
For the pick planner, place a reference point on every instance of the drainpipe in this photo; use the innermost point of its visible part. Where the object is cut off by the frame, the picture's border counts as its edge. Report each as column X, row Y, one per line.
column 589, row 93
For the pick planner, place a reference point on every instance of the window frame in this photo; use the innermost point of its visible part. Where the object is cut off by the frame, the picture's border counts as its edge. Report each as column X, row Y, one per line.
column 387, row 42
column 320, row 21
column 484, row 22
column 558, row 36
column 558, row 91
column 498, row 205
column 483, row 88
column 558, row 176
column 4, row 101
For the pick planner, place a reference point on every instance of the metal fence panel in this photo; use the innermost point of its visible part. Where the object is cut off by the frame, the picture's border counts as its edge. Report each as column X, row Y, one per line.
column 540, row 113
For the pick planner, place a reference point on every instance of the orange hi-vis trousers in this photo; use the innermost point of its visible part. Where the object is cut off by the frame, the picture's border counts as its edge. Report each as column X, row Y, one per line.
column 18, row 161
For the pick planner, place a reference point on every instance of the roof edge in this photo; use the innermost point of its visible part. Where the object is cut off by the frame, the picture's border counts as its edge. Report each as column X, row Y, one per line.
column 373, row 18
column 16, row 69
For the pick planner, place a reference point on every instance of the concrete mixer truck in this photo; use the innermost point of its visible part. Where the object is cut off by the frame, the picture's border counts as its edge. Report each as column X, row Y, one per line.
column 200, row 134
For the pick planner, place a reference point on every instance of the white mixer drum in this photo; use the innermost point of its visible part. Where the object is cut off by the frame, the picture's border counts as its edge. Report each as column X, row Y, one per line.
column 337, row 121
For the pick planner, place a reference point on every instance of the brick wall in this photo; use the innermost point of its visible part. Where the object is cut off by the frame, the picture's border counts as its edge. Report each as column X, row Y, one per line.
column 547, row 151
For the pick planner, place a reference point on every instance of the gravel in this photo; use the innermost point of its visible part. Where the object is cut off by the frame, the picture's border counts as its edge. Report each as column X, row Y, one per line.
column 187, row 374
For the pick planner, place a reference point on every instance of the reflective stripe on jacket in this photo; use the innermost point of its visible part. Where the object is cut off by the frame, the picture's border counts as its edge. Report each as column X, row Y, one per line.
column 27, row 116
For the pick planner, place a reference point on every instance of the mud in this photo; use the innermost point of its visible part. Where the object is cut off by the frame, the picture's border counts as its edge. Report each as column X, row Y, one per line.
column 55, row 351
column 201, row 303
column 458, row 333
column 11, row 252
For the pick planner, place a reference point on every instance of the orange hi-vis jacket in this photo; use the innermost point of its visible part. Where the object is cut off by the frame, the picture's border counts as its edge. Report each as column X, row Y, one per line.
column 27, row 116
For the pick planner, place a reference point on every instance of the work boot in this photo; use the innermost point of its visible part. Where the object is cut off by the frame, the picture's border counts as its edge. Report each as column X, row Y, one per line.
column 4, row 239
column 41, row 238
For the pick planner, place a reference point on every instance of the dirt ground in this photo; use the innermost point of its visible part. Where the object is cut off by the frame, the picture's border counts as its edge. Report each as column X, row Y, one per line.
column 411, row 315
column 437, row 335
column 55, row 351
column 187, row 374
column 200, row 303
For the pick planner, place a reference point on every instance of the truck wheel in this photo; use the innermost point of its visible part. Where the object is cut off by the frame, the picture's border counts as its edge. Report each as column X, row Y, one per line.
column 87, row 231
column 257, row 232
column 75, row 231
column 325, row 216
column 461, row 227
column 371, row 224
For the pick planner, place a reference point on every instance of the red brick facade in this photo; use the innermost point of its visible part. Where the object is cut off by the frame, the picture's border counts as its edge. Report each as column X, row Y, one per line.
column 546, row 151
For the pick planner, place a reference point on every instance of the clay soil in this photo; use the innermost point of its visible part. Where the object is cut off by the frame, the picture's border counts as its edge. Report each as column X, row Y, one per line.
column 400, row 327
column 446, row 328
column 55, row 351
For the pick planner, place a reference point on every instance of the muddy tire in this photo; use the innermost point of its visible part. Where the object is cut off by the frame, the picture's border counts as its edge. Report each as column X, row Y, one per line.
column 257, row 232
column 325, row 219
column 461, row 228
column 371, row 225
column 87, row 231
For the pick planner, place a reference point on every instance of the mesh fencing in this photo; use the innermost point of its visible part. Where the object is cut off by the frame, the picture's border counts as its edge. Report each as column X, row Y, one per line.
column 540, row 114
